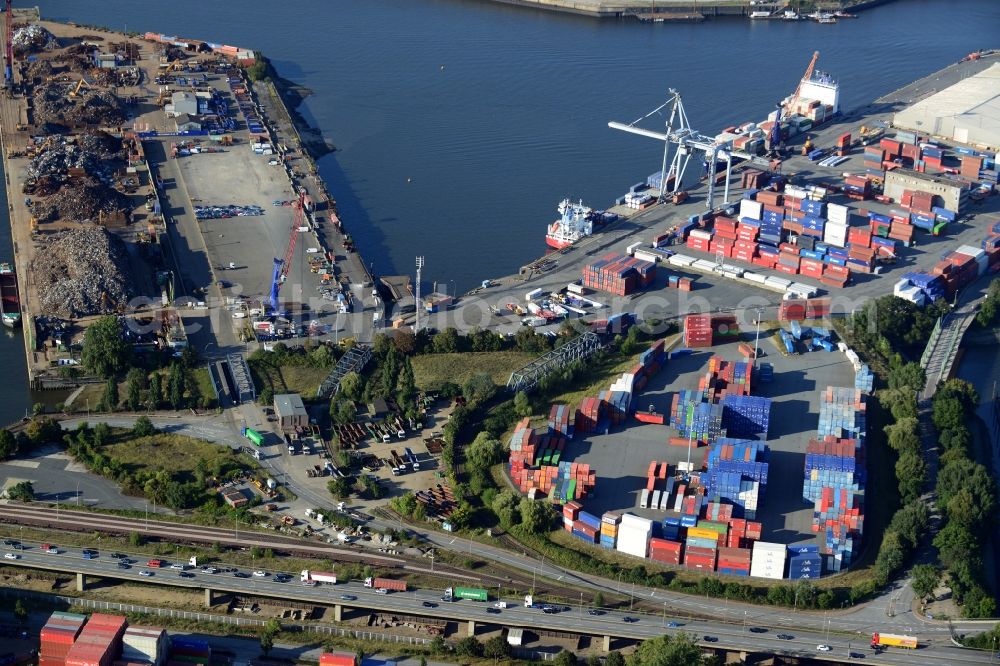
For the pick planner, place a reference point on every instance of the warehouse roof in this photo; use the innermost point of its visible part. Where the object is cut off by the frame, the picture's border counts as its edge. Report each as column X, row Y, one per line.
column 289, row 404
column 968, row 111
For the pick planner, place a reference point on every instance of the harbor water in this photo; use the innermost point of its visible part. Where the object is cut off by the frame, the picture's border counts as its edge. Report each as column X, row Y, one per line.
column 461, row 124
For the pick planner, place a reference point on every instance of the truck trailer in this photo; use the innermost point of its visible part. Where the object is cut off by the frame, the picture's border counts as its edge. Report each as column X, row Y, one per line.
column 308, row 576
column 386, row 584
column 472, row 593
column 894, row 640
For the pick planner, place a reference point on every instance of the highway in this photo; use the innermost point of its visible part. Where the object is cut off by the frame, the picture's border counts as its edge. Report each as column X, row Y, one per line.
column 744, row 635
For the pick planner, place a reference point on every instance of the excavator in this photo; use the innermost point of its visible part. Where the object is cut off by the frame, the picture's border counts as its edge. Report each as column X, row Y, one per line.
column 79, row 86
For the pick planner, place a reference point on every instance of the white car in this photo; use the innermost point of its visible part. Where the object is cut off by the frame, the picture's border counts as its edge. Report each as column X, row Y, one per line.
column 11, row 556
column 178, row 567
column 146, row 574
column 260, row 574
column 823, row 648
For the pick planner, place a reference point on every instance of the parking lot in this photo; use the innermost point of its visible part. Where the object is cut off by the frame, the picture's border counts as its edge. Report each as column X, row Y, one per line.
column 621, row 458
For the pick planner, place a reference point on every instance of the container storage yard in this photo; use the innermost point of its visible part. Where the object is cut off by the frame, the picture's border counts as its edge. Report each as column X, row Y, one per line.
column 678, row 453
column 69, row 639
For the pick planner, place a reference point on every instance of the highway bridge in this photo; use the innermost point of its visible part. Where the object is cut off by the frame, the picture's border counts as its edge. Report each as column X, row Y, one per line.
column 604, row 624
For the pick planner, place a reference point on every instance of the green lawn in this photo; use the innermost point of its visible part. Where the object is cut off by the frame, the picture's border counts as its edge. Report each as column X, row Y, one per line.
column 432, row 370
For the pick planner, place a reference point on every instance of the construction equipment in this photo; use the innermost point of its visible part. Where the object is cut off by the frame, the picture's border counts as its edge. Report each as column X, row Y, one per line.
column 794, row 99
column 807, row 146
column 79, row 86
column 688, row 142
column 281, row 266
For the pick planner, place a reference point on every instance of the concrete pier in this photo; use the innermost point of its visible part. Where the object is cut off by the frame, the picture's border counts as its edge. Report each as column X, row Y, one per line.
column 81, row 582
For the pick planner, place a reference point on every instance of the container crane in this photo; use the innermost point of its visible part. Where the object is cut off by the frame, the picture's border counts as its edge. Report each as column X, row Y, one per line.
column 688, row 142
column 8, row 72
column 281, row 266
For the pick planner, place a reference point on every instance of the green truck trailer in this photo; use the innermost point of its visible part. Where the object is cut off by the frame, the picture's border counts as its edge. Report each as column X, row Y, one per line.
column 473, row 593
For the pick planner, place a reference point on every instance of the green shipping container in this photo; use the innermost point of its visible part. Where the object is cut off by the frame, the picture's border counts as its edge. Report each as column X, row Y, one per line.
column 473, row 593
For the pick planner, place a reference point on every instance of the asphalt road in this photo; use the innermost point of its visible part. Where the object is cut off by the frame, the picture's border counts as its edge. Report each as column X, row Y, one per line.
column 936, row 648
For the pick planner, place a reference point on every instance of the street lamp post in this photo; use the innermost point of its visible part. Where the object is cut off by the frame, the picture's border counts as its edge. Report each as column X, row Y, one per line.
column 744, row 622
column 619, row 587
column 78, row 494
column 664, row 614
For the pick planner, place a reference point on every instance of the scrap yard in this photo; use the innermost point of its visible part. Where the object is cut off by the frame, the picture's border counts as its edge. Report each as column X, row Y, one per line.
column 152, row 172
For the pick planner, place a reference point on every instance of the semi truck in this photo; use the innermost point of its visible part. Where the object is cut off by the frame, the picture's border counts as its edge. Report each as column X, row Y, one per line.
column 472, row 593
column 880, row 640
column 386, row 584
column 308, row 576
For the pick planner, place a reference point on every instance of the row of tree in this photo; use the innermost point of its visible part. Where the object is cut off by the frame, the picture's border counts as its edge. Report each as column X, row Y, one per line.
column 966, row 494
column 990, row 307
column 667, row 650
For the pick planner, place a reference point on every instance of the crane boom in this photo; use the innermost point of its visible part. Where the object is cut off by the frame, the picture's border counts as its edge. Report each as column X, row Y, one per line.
column 794, row 99
column 282, row 266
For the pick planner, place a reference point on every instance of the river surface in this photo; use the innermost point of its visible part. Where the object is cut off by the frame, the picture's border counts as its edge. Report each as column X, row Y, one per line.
column 461, row 124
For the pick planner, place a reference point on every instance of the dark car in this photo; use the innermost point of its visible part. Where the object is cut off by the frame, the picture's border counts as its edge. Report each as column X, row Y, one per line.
column 282, row 578
column 348, row 597
column 241, row 574
column 493, row 611
column 630, row 619
column 10, row 542
column 711, row 639
column 857, row 655
column 758, row 630
column 549, row 610
column 117, row 556
column 674, row 625
column 785, row 637
column 185, row 574
column 124, row 565
column 595, row 611
column 430, row 604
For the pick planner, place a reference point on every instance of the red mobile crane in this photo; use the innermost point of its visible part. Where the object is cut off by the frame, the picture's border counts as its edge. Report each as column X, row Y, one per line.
column 281, row 266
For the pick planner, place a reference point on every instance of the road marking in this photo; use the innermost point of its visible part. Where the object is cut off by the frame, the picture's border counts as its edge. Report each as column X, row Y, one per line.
column 29, row 464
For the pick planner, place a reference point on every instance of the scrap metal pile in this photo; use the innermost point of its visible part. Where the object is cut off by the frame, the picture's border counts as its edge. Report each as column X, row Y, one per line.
column 82, row 272
column 80, row 200
column 54, row 104
column 40, row 69
column 91, row 153
column 32, row 39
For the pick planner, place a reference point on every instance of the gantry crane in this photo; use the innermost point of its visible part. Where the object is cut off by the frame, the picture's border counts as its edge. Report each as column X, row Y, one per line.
column 281, row 266
column 688, row 142
column 787, row 110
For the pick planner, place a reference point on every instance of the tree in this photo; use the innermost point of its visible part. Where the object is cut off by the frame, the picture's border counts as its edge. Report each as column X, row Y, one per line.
column 962, row 390
column 105, row 352
column 948, row 413
column 342, row 410
column 102, row 434
column 599, row 600
column 496, row 648
column 110, row 399
column 522, row 404
column 23, row 491
column 267, row 634
column 135, row 539
column 8, row 444
column 565, row 658
column 910, row 470
column 20, row 612
column 351, row 386
column 925, row 579
column 404, row 341
column 469, row 647
column 322, row 357
column 340, row 488
column 505, row 506
column 155, row 396
column 135, row 383
column 535, row 516
column 909, row 375
column 406, row 386
column 614, row 658
column 371, row 486
column 175, row 386
column 679, row 650
column 479, row 388
column 483, row 452
column 143, row 427
column 446, row 341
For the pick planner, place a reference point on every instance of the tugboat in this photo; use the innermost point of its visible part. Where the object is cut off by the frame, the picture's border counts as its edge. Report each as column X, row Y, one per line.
column 575, row 223
column 11, row 304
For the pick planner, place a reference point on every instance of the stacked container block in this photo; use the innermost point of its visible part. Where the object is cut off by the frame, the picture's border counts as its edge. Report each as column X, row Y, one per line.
column 587, row 527
column 560, row 420
column 186, row 650
column 633, row 535
column 745, row 415
column 609, row 529
column 58, row 636
column 145, row 645
column 804, row 562
column 619, row 275
column 693, row 417
column 99, row 643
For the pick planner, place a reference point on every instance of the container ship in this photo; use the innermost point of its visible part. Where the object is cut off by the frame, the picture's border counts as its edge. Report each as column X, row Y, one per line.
column 11, row 304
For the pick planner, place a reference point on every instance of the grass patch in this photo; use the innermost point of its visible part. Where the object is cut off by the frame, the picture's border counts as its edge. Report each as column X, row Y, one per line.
column 430, row 371
column 301, row 379
column 204, row 383
column 177, row 454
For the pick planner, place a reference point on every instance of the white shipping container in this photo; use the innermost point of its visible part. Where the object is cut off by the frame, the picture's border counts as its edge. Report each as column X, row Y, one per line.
column 797, row 192
column 145, row 644
column 632, row 248
column 837, row 213
column 575, row 288
column 701, row 234
column 751, row 209
column 644, row 499
column 754, row 277
column 533, row 294
column 704, row 264
column 665, row 501
column 633, row 541
column 777, row 282
column 681, row 260
column 632, row 520
column 768, row 560
column 646, row 256
column 655, row 502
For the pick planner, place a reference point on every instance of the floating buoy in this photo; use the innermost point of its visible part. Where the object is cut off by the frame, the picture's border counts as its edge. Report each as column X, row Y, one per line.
column 409, row 180
column 442, row 67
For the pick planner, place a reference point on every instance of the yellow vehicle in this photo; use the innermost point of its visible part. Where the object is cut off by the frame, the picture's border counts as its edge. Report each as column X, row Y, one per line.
column 894, row 640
